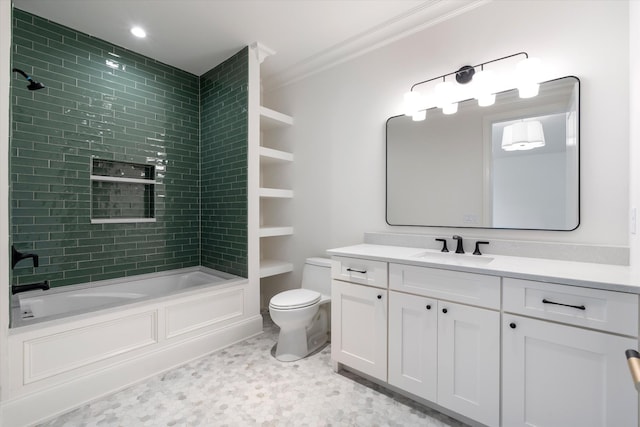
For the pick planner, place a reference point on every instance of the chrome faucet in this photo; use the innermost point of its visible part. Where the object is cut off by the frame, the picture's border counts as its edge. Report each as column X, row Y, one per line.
column 459, row 248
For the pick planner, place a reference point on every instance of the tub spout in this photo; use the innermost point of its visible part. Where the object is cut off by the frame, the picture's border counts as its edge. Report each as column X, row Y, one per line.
column 30, row 287
column 16, row 257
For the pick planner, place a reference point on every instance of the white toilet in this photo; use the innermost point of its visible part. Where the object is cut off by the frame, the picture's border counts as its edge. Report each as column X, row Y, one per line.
column 303, row 314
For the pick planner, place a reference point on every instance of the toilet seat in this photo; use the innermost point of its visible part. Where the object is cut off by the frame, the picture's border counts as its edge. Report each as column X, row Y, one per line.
column 294, row 298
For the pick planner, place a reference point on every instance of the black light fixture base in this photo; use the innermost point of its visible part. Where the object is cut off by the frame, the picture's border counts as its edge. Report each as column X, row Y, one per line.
column 465, row 74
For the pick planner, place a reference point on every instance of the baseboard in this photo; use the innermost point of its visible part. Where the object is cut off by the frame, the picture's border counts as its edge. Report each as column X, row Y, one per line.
column 49, row 403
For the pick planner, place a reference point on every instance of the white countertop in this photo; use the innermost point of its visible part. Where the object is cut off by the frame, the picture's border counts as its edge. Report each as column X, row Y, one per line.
column 591, row 275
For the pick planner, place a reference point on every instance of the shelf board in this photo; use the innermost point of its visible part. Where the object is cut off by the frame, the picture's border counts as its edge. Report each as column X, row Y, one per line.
column 122, row 180
column 275, row 231
column 269, row 155
column 120, row 220
column 271, row 267
column 275, row 193
column 270, row 119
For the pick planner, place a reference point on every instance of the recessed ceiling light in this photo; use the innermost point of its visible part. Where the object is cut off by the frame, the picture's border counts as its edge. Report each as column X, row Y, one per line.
column 138, row 32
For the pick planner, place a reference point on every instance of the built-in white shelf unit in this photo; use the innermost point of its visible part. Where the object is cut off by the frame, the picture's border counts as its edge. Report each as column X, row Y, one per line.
column 271, row 160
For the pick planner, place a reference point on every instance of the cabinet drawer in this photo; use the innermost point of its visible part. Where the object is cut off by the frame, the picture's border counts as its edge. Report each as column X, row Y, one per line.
column 467, row 288
column 593, row 308
column 363, row 271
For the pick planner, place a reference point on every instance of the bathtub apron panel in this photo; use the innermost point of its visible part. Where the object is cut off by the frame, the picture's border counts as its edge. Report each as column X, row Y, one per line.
column 58, row 365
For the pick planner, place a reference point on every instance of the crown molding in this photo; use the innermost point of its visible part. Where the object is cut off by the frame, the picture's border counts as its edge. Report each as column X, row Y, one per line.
column 425, row 15
column 261, row 51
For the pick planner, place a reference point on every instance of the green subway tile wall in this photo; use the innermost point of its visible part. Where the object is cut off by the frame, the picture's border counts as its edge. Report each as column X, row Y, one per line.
column 224, row 101
column 100, row 101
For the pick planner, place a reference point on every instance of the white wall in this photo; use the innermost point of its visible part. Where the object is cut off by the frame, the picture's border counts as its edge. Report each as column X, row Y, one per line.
column 340, row 113
column 634, row 130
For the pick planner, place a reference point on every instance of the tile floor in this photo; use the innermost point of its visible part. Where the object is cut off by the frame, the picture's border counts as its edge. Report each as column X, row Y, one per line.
column 243, row 385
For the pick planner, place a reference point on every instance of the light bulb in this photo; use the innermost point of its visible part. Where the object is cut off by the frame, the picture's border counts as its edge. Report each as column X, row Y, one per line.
column 411, row 103
column 419, row 116
column 484, row 88
column 529, row 68
column 444, row 93
column 528, row 90
column 528, row 76
column 450, row 108
column 486, row 100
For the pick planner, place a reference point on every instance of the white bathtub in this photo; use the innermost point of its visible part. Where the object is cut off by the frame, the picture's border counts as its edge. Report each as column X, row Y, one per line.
column 72, row 345
column 37, row 306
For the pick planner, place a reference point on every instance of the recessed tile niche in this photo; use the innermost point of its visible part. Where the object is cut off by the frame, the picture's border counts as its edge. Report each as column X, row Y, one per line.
column 122, row 192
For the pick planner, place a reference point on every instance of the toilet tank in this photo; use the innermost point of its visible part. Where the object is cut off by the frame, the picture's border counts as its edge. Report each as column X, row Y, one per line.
column 316, row 275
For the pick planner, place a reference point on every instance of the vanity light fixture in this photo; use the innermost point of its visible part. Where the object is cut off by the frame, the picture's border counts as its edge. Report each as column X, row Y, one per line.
column 523, row 135
column 483, row 86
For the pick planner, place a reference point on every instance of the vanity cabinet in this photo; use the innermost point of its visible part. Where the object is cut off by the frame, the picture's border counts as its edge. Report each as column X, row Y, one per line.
column 413, row 344
column 359, row 315
column 497, row 350
column 445, row 351
column 557, row 373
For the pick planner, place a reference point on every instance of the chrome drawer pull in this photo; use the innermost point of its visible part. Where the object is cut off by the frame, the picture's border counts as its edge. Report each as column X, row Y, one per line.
column 579, row 307
column 357, row 271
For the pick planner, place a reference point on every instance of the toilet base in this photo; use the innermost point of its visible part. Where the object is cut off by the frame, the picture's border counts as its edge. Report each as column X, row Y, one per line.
column 298, row 343
column 313, row 343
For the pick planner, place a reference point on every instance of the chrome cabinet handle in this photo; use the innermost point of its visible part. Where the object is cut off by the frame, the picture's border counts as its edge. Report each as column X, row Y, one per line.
column 357, row 271
column 579, row 307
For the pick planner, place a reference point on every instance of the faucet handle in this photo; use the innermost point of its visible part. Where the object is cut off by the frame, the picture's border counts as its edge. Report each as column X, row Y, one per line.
column 478, row 243
column 444, row 245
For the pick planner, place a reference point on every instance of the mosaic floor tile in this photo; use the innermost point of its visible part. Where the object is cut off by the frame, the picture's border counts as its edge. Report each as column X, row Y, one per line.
column 244, row 385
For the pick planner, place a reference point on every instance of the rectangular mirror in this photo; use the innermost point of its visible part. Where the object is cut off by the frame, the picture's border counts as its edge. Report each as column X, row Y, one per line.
column 513, row 165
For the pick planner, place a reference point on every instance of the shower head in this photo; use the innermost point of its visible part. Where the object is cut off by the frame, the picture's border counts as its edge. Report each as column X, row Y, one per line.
column 33, row 85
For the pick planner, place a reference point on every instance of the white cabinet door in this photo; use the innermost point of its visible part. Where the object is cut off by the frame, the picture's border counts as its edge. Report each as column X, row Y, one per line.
column 469, row 361
column 557, row 376
column 413, row 341
column 359, row 327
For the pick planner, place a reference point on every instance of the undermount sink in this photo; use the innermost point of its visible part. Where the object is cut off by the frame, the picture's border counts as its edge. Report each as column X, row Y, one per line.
column 453, row 258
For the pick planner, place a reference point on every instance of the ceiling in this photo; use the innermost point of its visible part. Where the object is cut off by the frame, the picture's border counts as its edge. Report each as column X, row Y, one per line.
column 197, row 35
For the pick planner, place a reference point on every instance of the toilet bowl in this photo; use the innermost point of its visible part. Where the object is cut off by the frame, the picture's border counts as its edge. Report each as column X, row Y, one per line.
column 303, row 314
